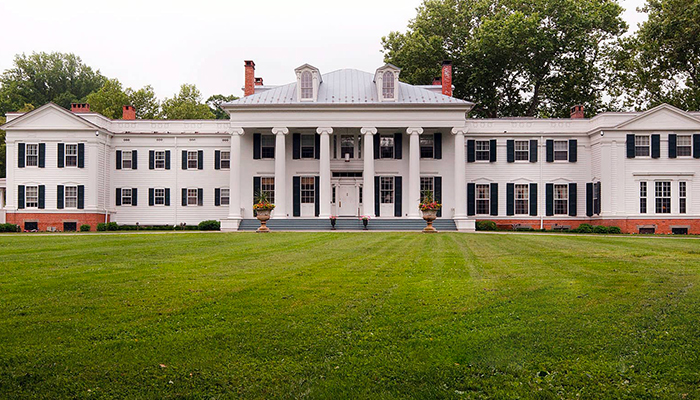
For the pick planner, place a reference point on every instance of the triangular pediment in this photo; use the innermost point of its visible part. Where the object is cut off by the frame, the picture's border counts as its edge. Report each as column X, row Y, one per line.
column 47, row 117
column 663, row 117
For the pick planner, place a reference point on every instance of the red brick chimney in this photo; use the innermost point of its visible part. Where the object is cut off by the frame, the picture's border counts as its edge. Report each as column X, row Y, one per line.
column 447, row 78
column 80, row 107
column 258, row 81
column 249, row 87
column 128, row 112
column 577, row 112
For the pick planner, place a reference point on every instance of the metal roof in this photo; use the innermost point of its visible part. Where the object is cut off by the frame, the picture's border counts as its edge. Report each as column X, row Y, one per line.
column 347, row 86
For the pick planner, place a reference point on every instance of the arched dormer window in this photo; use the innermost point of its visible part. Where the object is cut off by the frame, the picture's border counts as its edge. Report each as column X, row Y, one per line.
column 307, row 85
column 388, row 85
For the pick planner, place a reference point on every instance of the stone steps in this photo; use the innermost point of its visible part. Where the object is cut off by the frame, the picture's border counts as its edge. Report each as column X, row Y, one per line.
column 346, row 224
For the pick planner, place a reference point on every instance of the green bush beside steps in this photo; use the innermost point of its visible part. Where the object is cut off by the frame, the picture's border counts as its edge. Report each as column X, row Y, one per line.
column 583, row 228
column 209, row 225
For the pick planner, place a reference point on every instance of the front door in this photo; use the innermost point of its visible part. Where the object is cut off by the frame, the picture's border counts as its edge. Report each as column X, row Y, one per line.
column 346, row 198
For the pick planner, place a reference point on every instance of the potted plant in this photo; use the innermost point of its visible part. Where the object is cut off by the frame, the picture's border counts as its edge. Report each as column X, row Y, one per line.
column 263, row 208
column 429, row 207
column 333, row 218
column 365, row 221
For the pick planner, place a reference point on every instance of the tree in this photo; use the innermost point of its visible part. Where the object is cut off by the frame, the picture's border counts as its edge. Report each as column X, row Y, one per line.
column 186, row 105
column 661, row 62
column 43, row 77
column 214, row 102
column 511, row 57
column 145, row 102
column 109, row 99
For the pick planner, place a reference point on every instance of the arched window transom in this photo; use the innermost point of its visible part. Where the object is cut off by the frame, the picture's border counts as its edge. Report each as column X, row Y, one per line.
column 388, row 85
column 307, row 85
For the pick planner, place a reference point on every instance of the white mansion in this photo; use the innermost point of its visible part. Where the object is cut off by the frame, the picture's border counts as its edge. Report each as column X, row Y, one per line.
column 350, row 143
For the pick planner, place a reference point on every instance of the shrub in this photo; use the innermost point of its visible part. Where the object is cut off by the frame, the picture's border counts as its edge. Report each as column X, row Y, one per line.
column 600, row 229
column 524, row 229
column 584, row 228
column 615, row 230
column 112, row 226
column 127, row 227
column 101, row 227
column 210, row 225
column 85, row 228
column 485, row 226
column 9, row 228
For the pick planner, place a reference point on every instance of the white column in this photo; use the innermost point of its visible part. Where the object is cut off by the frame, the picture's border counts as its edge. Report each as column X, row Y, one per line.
column 368, row 173
column 325, row 172
column 414, row 171
column 234, row 207
column 280, row 172
column 460, row 185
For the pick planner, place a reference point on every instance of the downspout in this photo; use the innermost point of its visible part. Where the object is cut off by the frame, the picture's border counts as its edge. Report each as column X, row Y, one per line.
column 542, row 188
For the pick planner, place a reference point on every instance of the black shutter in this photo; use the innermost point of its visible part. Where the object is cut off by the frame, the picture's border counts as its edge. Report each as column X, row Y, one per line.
column 151, row 197
column 398, row 196
column 81, row 197
column 533, row 150
column 377, row 207
column 134, row 197
column 200, row 197
column 20, row 155
column 296, row 196
column 317, row 200
column 151, row 159
column 184, row 197
column 550, row 150
column 118, row 197
column 81, row 155
column 573, row 150
column 59, row 197
column 184, row 159
column 549, row 203
column 596, row 206
column 61, row 154
column 42, row 155
column 167, row 197
column 437, row 187
column 134, row 159
column 471, row 151
column 119, row 159
column 655, row 146
column 217, row 159
column 696, row 146
column 296, row 147
column 398, row 146
column 256, row 188
column 630, row 146
column 510, row 149
column 376, row 138
column 167, row 159
column 471, row 199
column 217, row 197
column 589, row 199
column 20, row 197
column 437, row 143
column 492, row 150
column 510, row 199
column 317, row 146
column 533, row 199
column 200, row 159
column 42, row 197
column 257, row 146
column 494, row 199
column 573, row 198
column 672, row 145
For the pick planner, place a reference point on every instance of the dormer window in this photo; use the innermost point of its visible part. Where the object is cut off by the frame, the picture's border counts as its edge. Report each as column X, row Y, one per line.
column 388, row 85
column 308, row 81
column 307, row 85
column 386, row 80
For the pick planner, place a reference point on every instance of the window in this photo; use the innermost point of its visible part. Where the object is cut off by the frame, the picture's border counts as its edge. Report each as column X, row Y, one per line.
column 159, row 197
column 159, row 157
column 70, row 226
column 267, row 146
column 70, row 196
column 427, row 187
column 225, row 197
column 32, row 155
column 307, row 85
column 663, row 197
column 386, row 189
column 126, row 197
column 72, row 155
column 642, row 146
column 427, row 146
column 483, row 195
column 682, row 197
column 386, row 146
column 267, row 186
column 596, row 198
column 192, row 198
column 684, row 146
column 308, row 143
column 192, row 160
column 482, row 150
column 126, row 159
column 642, row 197
column 388, row 85
column 347, row 146
column 522, row 199
column 522, row 150
column 308, row 194
column 225, row 160
column 561, row 150
column 31, row 196
column 561, row 199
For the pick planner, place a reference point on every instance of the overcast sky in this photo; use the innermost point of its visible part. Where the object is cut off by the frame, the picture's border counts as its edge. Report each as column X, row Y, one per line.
column 167, row 43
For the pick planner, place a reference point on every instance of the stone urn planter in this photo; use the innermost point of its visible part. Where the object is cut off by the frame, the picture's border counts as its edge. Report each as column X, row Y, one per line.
column 429, row 207
column 263, row 216
column 429, row 216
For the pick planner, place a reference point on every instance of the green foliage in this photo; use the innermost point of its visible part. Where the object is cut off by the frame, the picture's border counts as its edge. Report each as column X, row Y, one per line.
column 85, row 228
column 584, row 228
column 214, row 102
column 600, row 229
column 209, row 225
column 9, row 228
column 615, row 230
column 101, row 227
column 485, row 226
column 145, row 102
column 109, row 99
column 511, row 57
column 186, row 105
column 112, row 226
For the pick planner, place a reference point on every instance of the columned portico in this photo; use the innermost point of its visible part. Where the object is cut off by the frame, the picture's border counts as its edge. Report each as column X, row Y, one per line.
column 414, row 171
column 280, row 172
column 368, row 173
column 460, row 184
column 325, row 172
column 234, row 208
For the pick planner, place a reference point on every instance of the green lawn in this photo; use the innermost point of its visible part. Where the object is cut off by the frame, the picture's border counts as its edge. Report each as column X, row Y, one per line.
column 349, row 315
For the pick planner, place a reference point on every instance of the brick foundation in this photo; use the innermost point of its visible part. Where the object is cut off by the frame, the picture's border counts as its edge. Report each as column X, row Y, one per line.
column 661, row 226
column 45, row 221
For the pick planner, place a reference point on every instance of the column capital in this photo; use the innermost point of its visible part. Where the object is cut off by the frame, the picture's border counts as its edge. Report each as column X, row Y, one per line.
column 236, row 131
column 460, row 130
column 280, row 130
column 368, row 131
column 414, row 130
column 324, row 130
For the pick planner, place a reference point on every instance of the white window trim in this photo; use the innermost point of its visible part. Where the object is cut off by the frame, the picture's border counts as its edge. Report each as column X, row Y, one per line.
column 554, row 151
column 221, row 196
column 155, row 159
column 689, row 146
column 477, row 199
column 195, row 159
column 515, row 151
column 131, row 197
column 65, row 197
column 65, row 155
column 26, row 155
column 221, row 159
column 515, row 198
column 316, row 80
column 155, row 196
column 26, row 196
column 488, row 150
column 196, row 197
column 648, row 146
column 130, row 159
column 554, row 199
